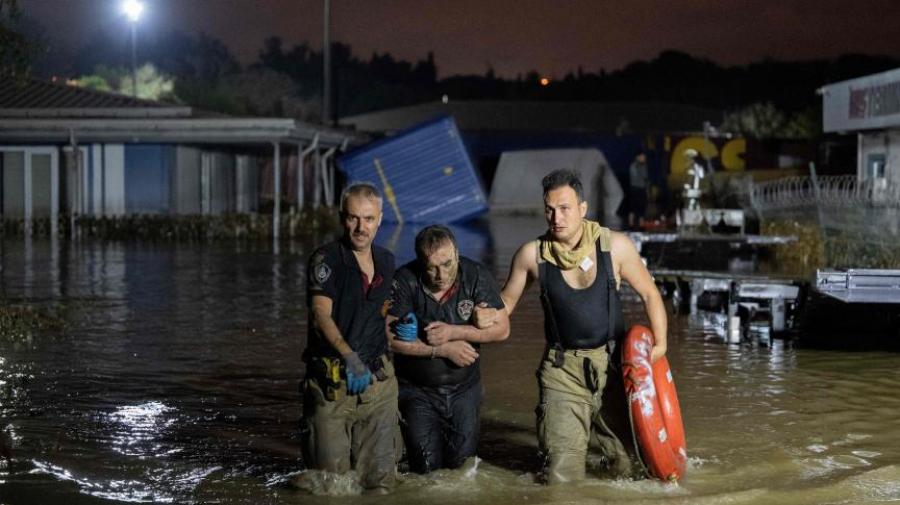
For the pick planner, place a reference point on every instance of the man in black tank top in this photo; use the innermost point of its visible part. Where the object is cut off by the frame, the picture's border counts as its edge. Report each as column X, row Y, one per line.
column 436, row 356
column 578, row 265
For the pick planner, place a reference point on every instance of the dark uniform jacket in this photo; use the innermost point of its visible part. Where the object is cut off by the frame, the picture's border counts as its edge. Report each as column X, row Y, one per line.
column 474, row 284
column 359, row 304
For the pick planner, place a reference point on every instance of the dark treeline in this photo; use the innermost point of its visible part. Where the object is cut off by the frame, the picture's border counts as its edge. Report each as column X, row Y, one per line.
column 287, row 80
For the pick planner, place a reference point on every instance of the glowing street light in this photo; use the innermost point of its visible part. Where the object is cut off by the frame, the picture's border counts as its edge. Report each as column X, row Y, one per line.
column 133, row 10
column 545, row 81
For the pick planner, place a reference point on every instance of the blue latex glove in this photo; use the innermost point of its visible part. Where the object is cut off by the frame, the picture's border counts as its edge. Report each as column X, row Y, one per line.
column 408, row 328
column 358, row 374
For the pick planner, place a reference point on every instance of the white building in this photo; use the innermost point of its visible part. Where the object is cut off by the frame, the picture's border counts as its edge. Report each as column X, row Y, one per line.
column 870, row 107
column 86, row 153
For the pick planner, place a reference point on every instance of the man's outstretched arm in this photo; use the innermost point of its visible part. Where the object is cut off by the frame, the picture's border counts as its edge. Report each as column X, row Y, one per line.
column 632, row 270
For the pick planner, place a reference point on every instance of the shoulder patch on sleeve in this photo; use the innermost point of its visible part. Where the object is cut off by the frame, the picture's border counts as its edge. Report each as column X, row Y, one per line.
column 322, row 272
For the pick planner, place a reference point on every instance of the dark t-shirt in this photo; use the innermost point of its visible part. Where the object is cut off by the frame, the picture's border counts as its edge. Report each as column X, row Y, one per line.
column 474, row 285
column 358, row 310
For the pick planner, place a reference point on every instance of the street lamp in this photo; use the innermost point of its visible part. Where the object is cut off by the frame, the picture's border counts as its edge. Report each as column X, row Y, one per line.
column 133, row 10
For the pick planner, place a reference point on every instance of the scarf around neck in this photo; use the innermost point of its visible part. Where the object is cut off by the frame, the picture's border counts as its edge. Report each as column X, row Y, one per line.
column 553, row 252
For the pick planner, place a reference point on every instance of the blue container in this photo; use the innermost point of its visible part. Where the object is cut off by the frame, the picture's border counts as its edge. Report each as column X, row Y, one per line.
column 424, row 173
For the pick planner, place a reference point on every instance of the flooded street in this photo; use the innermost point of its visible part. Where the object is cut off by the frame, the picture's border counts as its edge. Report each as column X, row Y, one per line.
column 176, row 381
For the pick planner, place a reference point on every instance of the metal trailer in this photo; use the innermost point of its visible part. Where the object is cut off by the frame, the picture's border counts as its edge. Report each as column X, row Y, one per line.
column 860, row 285
column 738, row 305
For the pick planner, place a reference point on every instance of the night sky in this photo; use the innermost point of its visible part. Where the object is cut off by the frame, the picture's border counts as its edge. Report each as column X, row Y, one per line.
column 512, row 36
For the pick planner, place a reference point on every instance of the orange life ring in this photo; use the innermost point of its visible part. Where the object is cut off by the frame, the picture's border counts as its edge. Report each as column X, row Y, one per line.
column 655, row 413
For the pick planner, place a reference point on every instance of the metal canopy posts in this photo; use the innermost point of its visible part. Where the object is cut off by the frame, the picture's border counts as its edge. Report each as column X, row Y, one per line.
column 301, row 172
column 321, row 160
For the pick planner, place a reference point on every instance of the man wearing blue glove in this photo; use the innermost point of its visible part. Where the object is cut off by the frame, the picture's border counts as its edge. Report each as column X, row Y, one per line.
column 436, row 348
column 350, row 392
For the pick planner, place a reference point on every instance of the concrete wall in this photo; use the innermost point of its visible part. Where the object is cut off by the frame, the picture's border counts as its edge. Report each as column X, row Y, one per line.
column 186, row 181
column 102, row 180
column 246, row 184
column 120, row 179
column 13, row 184
column 17, row 164
column 113, row 180
column 222, row 182
column 40, row 185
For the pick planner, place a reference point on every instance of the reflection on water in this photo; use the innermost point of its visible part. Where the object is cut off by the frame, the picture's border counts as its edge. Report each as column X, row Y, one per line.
column 176, row 381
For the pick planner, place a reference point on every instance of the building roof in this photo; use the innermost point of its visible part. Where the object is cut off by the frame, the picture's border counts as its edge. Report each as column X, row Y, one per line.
column 42, row 111
column 36, row 98
column 543, row 116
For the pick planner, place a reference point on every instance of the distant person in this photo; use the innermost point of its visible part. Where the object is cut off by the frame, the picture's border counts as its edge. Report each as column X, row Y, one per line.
column 436, row 348
column 638, row 189
column 579, row 265
column 350, row 412
column 697, row 172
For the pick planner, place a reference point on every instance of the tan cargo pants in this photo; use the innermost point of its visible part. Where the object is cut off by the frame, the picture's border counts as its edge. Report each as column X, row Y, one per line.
column 354, row 432
column 582, row 403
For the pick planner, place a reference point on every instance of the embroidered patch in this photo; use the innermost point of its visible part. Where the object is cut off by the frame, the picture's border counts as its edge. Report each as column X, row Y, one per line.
column 322, row 272
column 464, row 309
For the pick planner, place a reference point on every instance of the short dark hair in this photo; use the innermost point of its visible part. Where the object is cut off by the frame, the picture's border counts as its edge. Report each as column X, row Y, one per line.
column 362, row 189
column 563, row 177
column 430, row 238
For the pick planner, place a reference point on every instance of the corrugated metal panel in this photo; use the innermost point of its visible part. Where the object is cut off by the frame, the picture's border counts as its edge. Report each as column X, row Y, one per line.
column 425, row 174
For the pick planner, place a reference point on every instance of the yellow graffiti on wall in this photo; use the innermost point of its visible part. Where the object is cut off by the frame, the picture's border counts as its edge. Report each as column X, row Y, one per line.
column 732, row 154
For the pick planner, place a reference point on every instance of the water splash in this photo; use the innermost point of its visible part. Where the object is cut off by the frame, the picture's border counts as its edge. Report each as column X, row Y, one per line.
column 322, row 483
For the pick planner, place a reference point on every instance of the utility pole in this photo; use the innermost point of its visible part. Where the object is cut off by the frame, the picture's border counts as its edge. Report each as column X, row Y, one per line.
column 326, row 65
column 134, row 59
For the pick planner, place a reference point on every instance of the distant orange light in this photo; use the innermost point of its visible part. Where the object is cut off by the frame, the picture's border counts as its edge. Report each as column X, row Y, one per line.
column 545, row 81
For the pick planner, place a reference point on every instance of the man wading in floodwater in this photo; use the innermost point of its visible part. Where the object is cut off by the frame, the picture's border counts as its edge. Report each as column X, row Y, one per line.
column 579, row 265
column 350, row 392
column 437, row 349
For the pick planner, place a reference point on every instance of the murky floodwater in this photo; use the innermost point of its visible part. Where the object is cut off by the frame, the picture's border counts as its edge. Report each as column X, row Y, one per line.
column 177, row 381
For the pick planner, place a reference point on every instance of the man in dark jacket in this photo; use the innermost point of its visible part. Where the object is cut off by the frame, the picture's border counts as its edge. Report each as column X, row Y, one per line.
column 436, row 349
column 350, row 392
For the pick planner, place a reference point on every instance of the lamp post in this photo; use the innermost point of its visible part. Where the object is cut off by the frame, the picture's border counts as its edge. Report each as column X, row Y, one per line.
column 133, row 10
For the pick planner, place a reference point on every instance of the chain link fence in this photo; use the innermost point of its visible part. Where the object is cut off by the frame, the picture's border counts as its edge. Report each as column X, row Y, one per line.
column 859, row 220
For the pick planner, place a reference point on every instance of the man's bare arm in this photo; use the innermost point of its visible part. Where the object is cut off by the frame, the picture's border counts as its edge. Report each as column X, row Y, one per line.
column 522, row 272
column 630, row 268
column 321, row 309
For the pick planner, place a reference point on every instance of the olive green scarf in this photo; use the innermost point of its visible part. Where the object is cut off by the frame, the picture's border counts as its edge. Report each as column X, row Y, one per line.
column 553, row 252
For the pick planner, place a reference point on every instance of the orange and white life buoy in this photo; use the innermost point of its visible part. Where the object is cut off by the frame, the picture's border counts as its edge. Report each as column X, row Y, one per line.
column 655, row 413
